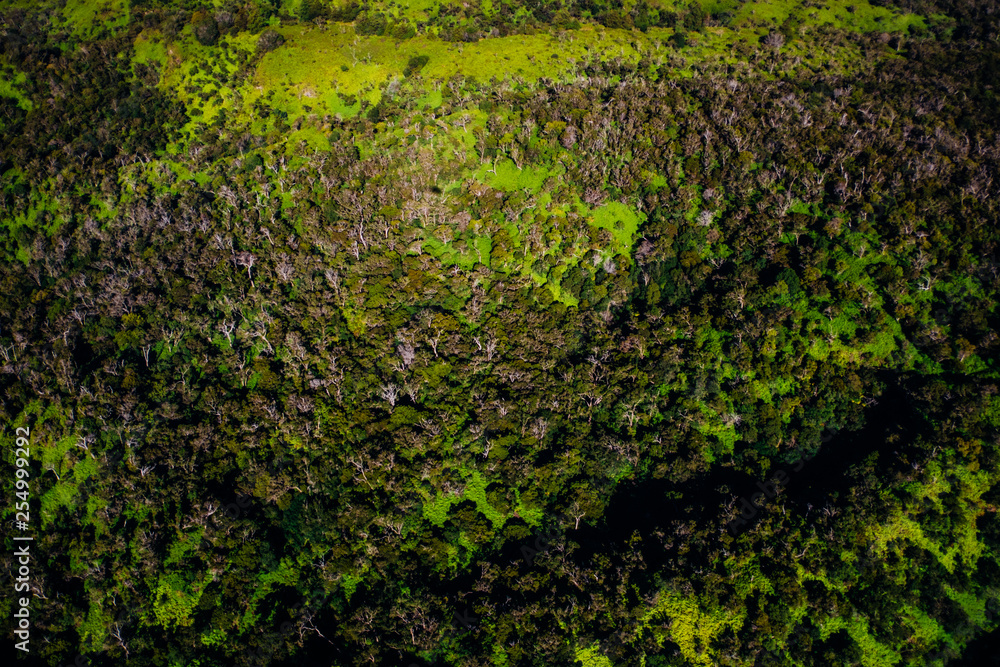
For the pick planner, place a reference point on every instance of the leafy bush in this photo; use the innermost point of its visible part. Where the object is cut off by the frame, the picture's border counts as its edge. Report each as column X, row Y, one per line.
column 403, row 31
column 615, row 19
column 371, row 23
column 312, row 9
column 206, row 32
column 345, row 13
column 269, row 41
column 694, row 17
column 416, row 64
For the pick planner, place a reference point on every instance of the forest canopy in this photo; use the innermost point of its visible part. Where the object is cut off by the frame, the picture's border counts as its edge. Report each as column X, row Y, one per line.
column 513, row 332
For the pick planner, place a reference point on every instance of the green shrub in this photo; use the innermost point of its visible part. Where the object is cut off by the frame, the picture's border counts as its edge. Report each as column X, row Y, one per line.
column 403, row 31
column 269, row 40
column 370, row 23
column 613, row 19
column 416, row 64
column 345, row 13
column 694, row 17
column 206, row 32
column 665, row 19
column 312, row 9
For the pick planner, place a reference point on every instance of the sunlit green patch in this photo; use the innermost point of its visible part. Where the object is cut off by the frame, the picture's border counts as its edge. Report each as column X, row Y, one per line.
column 436, row 509
column 622, row 221
column 503, row 174
column 95, row 628
column 176, row 599
column 416, row 10
column 592, row 657
column 861, row 16
column 855, row 15
column 449, row 255
column 691, row 624
column 85, row 17
column 150, row 48
column 68, row 476
column 901, row 529
column 318, row 67
column 873, row 652
column 199, row 76
column 11, row 83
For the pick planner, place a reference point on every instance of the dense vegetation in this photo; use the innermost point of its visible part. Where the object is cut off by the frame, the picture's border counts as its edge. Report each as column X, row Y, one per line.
column 512, row 333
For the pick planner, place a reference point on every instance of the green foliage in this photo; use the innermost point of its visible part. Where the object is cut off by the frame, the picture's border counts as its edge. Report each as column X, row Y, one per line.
column 206, row 31
column 371, row 23
column 268, row 41
column 415, row 64
column 176, row 598
column 505, row 305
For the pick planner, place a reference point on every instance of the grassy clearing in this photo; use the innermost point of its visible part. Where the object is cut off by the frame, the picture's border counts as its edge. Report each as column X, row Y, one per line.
column 317, row 68
column 622, row 221
column 504, row 175
column 199, row 76
column 86, row 16
column 694, row 626
column 150, row 49
column 592, row 657
column 329, row 70
column 855, row 15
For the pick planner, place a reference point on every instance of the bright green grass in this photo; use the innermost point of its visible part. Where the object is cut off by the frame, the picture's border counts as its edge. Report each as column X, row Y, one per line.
column 321, row 68
column 693, row 625
column 433, row 99
column 176, row 599
column 197, row 75
column 449, row 256
column 864, row 18
column 509, row 178
column 621, row 221
column 873, row 652
column 308, row 71
column 150, row 48
column 85, row 16
column 592, row 657
column 290, row 7
column 417, row 10
column 900, row 530
column 10, row 85
column 64, row 492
